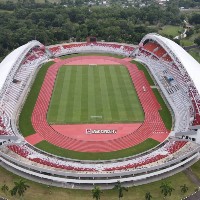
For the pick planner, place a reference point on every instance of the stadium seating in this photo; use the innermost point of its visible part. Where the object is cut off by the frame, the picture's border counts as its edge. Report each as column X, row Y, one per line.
column 91, row 47
column 143, row 161
column 148, row 53
column 173, row 82
column 15, row 89
column 2, row 127
column 150, row 46
column 55, row 50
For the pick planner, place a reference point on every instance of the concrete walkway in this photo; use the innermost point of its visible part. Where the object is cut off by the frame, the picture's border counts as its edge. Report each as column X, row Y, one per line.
column 196, row 196
column 188, row 172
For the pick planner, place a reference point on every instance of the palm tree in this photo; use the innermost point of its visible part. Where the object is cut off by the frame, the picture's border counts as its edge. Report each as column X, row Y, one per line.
column 4, row 188
column 96, row 193
column 184, row 188
column 120, row 189
column 148, row 196
column 166, row 189
column 19, row 188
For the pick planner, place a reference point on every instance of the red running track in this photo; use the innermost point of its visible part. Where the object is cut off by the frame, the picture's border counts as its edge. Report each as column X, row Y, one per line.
column 152, row 127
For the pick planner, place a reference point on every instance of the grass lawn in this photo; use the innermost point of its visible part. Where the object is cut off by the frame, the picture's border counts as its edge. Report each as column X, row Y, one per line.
column 25, row 124
column 94, row 94
column 4, row 1
column 42, row 192
column 186, row 42
column 143, row 68
column 6, row 11
column 144, row 146
column 170, row 30
column 164, row 112
column 195, row 53
column 92, row 54
column 51, row 1
column 189, row 41
column 36, row 1
column 190, row 11
column 194, row 36
column 196, row 168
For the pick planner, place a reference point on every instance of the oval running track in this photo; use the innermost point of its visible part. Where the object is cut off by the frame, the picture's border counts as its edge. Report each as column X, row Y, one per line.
column 152, row 127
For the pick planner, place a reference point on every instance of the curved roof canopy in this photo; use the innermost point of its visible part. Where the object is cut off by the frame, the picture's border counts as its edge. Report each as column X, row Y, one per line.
column 8, row 62
column 189, row 63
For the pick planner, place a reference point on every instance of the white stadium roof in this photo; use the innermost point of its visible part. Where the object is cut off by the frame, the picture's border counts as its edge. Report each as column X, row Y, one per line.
column 189, row 63
column 8, row 62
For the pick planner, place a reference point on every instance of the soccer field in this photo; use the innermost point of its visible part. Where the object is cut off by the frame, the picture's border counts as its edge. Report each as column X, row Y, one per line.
column 94, row 94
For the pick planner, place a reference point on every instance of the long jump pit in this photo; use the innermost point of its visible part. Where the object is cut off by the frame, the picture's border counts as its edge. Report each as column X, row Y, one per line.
column 97, row 137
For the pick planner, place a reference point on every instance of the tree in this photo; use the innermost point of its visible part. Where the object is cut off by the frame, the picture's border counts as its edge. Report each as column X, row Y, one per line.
column 195, row 19
column 4, row 188
column 166, row 189
column 148, row 196
column 96, row 193
column 197, row 41
column 177, row 41
column 19, row 188
column 190, row 32
column 120, row 189
column 184, row 188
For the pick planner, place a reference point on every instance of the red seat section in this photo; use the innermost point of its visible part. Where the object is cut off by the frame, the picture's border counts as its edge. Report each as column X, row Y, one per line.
column 169, row 148
column 34, row 54
column 150, row 46
column 160, row 52
column 85, row 46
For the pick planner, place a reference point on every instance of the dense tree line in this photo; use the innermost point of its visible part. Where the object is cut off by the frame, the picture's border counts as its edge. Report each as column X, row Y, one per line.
column 195, row 19
column 51, row 23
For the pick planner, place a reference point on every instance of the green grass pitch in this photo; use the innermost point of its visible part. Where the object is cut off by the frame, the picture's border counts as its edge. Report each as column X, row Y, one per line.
column 142, row 147
column 94, row 94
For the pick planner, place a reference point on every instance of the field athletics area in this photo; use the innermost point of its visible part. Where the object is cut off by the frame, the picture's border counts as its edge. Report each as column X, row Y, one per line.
column 94, row 94
column 73, row 136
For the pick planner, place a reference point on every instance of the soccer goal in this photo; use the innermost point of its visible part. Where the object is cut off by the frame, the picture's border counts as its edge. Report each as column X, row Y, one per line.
column 92, row 65
column 96, row 117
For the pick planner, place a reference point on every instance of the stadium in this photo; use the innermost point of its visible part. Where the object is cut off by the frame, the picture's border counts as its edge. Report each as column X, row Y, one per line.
column 86, row 104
